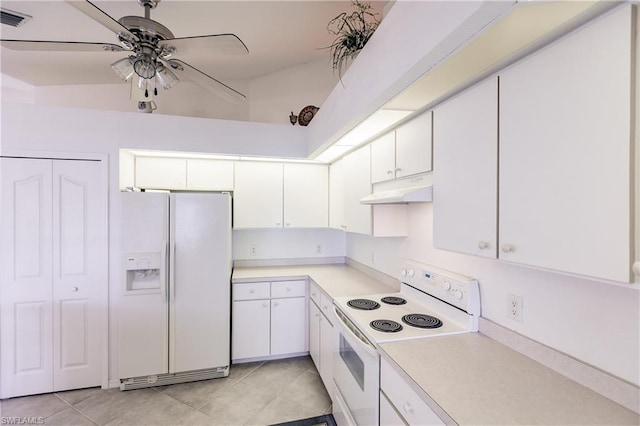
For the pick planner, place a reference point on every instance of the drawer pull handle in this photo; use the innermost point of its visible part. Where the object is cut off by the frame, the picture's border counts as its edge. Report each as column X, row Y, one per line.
column 407, row 408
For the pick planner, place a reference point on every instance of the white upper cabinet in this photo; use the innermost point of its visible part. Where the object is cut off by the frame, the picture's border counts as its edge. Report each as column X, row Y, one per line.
column 258, row 195
column 413, row 146
column 357, row 184
column 273, row 195
column 209, row 175
column 404, row 151
column 336, row 196
column 565, row 145
column 161, row 173
column 183, row 173
column 306, row 196
column 465, row 144
column 383, row 158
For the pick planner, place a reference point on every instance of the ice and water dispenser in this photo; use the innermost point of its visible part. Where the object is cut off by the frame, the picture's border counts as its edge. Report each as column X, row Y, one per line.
column 144, row 271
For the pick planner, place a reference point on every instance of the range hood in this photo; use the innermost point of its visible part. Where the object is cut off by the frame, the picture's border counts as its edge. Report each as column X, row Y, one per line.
column 413, row 194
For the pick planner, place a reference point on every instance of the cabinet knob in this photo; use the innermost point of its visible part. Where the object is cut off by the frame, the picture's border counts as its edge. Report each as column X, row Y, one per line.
column 389, row 172
column 74, row 289
column 483, row 245
column 507, row 248
column 288, row 288
column 313, row 294
column 408, row 408
column 265, row 305
column 398, row 169
column 277, row 223
column 251, row 291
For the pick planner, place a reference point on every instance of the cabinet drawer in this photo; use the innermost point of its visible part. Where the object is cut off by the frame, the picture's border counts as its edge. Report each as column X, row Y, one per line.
column 412, row 408
column 326, row 307
column 314, row 292
column 288, row 289
column 251, row 291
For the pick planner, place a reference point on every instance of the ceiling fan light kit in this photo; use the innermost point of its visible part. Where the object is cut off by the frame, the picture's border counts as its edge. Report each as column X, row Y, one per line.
column 151, row 45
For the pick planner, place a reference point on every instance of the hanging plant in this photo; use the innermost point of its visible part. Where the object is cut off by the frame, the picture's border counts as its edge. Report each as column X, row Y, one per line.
column 353, row 30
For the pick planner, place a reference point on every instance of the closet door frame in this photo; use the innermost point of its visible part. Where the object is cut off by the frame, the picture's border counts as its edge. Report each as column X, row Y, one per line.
column 104, row 294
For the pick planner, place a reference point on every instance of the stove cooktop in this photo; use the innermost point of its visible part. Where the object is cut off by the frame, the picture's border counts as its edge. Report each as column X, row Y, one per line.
column 431, row 302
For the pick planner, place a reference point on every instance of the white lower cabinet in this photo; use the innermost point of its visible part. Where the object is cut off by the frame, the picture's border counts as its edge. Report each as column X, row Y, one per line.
column 268, row 320
column 321, row 334
column 405, row 402
column 388, row 415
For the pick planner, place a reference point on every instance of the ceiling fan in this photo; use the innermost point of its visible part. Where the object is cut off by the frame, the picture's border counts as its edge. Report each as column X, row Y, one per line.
column 151, row 47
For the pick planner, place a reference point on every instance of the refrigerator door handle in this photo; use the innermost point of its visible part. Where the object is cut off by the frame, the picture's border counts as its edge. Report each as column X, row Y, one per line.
column 163, row 263
column 172, row 273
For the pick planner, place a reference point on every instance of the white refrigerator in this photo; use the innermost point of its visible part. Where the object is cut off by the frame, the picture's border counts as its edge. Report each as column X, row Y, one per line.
column 174, row 304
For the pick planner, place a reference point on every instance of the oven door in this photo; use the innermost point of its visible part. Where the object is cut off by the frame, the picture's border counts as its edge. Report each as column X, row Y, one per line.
column 356, row 374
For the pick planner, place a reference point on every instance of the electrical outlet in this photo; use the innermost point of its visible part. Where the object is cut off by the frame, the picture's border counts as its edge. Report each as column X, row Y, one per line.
column 318, row 248
column 514, row 307
column 252, row 249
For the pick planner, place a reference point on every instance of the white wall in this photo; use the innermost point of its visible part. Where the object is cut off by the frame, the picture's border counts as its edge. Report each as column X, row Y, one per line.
column 273, row 97
column 185, row 99
column 270, row 98
column 36, row 128
column 595, row 322
column 287, row 243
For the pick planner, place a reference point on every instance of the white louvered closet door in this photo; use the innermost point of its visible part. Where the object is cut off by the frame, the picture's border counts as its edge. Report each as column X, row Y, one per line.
column 52, row 274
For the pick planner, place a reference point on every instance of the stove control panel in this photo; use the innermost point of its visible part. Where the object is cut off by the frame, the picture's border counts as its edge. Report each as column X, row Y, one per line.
column 455, row 289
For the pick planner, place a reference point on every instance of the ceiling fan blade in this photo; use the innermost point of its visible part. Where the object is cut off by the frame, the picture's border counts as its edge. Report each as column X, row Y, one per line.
column 209, row 83
column 98, row 15
column 220, row 43
column 60, row 46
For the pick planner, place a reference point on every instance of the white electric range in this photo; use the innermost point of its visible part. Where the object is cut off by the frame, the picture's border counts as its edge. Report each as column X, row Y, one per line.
column 431, row 302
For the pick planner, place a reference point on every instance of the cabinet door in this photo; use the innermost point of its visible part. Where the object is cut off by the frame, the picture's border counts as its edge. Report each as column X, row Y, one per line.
column 288, row 326
column 383, row 158
column 306, row 196
column 258, row 195
column 79, row 272
column 161, row 173
column 336, row 196
column 26, row 338
column 357, row 184
column 209, row 175
column 465, row 138
column 327, row 349
column 413, row 146
column 314, row 334
column 565, row 148
column 250, row 329
column 388, row 414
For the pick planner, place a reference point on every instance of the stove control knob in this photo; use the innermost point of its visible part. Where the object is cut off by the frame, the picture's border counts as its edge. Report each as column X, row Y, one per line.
column 446, row 285
column 411, row 272
column 457, row 294
column 403, row 272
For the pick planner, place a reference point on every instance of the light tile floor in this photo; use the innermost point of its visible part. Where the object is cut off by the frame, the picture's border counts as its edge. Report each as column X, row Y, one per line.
column 260, row 393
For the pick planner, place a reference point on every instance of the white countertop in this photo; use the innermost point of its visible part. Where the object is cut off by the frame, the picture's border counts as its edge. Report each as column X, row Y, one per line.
column 473, row 378
column 336, row 279
column 477, row 380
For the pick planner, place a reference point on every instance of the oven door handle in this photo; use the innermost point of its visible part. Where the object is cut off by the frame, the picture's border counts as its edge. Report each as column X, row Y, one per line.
column 351, row 329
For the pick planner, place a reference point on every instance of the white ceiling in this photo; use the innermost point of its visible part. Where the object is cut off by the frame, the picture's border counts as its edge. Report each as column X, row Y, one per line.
column 278, row 34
